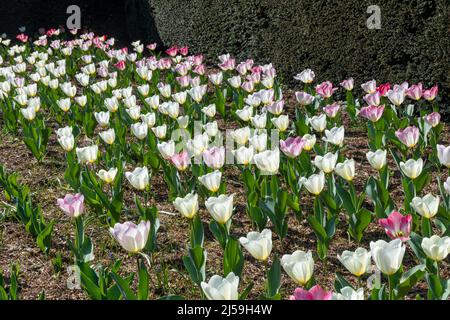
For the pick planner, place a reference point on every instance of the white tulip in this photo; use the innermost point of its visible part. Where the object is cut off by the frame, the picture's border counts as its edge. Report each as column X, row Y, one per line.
column 64, row 104
column 447, row 185
column 219, row 288
column 187, row 206
column 245, row 113
column 209, row 110
column 348, row 293
column 299, row 266
column 87, row 154
column 220, row 208
column 211, row 128
column 28, row 113
column 259, row 121
column 140, row 130
column 134, row 112
column 315, row 183
column 388, row 256
column 244, row 155
column 377, row 159
column 198, row 144
column 67, row 142
column 258, row 244
column 444, row 155
column 310, row 141
column 318, row 123
column 268, row 161
column 149, row 119
column 183, row 121
column 153, row 101
column 357, row 262
column 281, row 123
column 160, row 131
column 167, row 149
column 259, row 141
column 241, row 135
column 427, row 206
column 112, row 104
column 436, row 248
column 335, row 136
column 211, row 181
column 139, row 178
column 107, row 176
column 412, row 168
column 102, row 118
column 327, row 162
column 108, row 136
column 346, row 169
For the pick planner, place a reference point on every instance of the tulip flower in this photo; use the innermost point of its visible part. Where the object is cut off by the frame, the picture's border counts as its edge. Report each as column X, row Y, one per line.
column 388, row 256
column 130, row 236
column 415, row 92
column 139, row 130
column 315, row 293
column 430, row 94
column 327, row 162
column 258, row 244
column 331, row 110
column 408, row 136
column 412, row 168
column 209, row 110
column 335, row 136
column 181, row 160
column 268, row 161
column 167, row 149
column 346, row 169
column 219, row 288
column 433, row 119
column 259, row 141
column 373, row 99
column 211, row 129
column 245, row 114
column 427, row 206
column 318, row 123
column 348, row 293
column 444, row 155
column 149, row 119
column 347, row 84
column 303, row 98
column 370, row 86
column 215, row 157
column 160, row 131
column 306, row 76
column 67, row 142
column 72, row 205
column 292, row 147
column 281, row 122
column 325, row 89
column 276, row 108
column 397, row 97
column 377, row 159
column 107, row 176
column 108, row 136
column 310, row 141
column 259, row 121
column 436, row 248
column 28, row 113
column 139, row 178
column 315, row 183
column 211, row 181
column 373, row 113
column 87, row 154
column 447, row 185
column 397, row 225
column 357, row 262
column 187, row 206
column 197, row 145
column 299, row 266
column 244, row 155
column 220, row 208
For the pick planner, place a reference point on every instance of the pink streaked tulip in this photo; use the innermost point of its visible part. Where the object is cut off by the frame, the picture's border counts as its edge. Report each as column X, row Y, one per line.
column 332, row 110
column 248, row 86
column 415, row 92
column 184, row 81
column 172, row 51
column 325, row 89
column 214, row 157
column 304, row 98
column 370, row 86
column 383, row 89
column 373, row 99
column 200, row 69
column 276, row 107
column 228, row 64
column 22, row 37
column 315, row 293
column 151, row 46
column 184, row 50
column 347, row 84
column 408, row 136
column 181, row 160
column 433, row 119
column 292, row 147
column 72, row 205
column 372, row 113
column 120, row 65
column 397, row 226
column 430, row 94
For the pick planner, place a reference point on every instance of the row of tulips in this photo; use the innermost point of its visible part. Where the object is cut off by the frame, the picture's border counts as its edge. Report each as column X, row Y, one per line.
column 143, row 115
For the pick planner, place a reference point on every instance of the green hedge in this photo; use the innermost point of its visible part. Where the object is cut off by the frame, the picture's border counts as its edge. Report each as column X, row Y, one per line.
column 328, row 36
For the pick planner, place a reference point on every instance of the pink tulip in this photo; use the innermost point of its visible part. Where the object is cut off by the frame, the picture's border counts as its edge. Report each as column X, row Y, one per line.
column 397, row 226
column 304, row 98
column 164, row 63
column 120, row 65
column 22, row 37
column 184, row 81
column 431, row 94
column 242, row 68
column 51, row 32
column 181, row 160
column 331, row 110
column 172, row 51
column 408, row 136
column 315, row 293
column 292, row 147
column 325, row 89
column 348, row 84
column 276, row 107
column 200, row 69
column 415, row 92
column 373, row 99
column 248, row 86
column 383, row 89
column 72, row 205
column 214, row 157
column 151, row 46
column 433, row 119
column 373, row 113
column 184, row 50
column 228, row 64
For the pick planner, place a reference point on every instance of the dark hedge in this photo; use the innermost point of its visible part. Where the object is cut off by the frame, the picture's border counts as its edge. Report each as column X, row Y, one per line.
column 330, row 37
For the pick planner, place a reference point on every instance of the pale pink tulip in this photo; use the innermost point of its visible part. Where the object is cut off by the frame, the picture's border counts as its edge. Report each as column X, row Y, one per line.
column 214, row 157
column 72, row 205
column 373, row 113
column 370, row 86
column 325, row 89
column 431, row 94
column 348, row 84
column 332, row 110
column 304, row 98
column 373, row 99
column 292, row 147
column 181, row 160
column 433, row 119
column 408, row 136
column 415, row 92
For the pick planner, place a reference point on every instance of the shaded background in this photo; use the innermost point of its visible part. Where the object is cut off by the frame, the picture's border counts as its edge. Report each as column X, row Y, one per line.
column 329, row 36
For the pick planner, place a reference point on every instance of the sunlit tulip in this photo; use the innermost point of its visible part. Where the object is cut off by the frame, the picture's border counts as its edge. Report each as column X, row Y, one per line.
column 81, row 100
column 140, row 130
column 102, row 118
column 153, row 101
column 220, row 208
column 87, row 154
column 292, row 147
column 306, row 76
column 149, row 119
column 299, row 266
column 244, row 155
column 388, row 256
column 444, row 155
column 315, row 293
column 209, row 110
column 160, row 131
column 335, row 136
column 436, row 248
column 211, row 181
column 107, row 176
column 315, row 183
column 310, row 141
column 268, row 161
column 167, row 149
column 397, row 226
column 211, row 128
column 181, row 160
column 219, row 288
column 412, row 168
column 139, row 178
column 370, row 86
column 415, row 92
column 281, row 122
column 216, row 78
column 72, row 205
column 187, row 206
column 130, row 236
column 346, row 169
column 347, row 84
column 259, row 141
column 327, row 162
column 258, row 244
column 259, row 121
column 377, row 159
column 430, row 94
column 357, row 262
column 318, row 123
column 373, row 99
column 447, row 185
column 241, row 135
column 266, row 96
column 397, row 97
column 372, row 113
column 67, row 142
column 408, row 136
column 331, row 110
column 215, row 157
column 108, row 136
column 134, row 112
column 183, row 121
column 303, row 98
column 427, row 206
column 325, row 89
column 348, row 293
column 64, row 104
column 433, row 119
column 245, row 114
column 28, row 113
column 276, row 108
column 197, row 93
